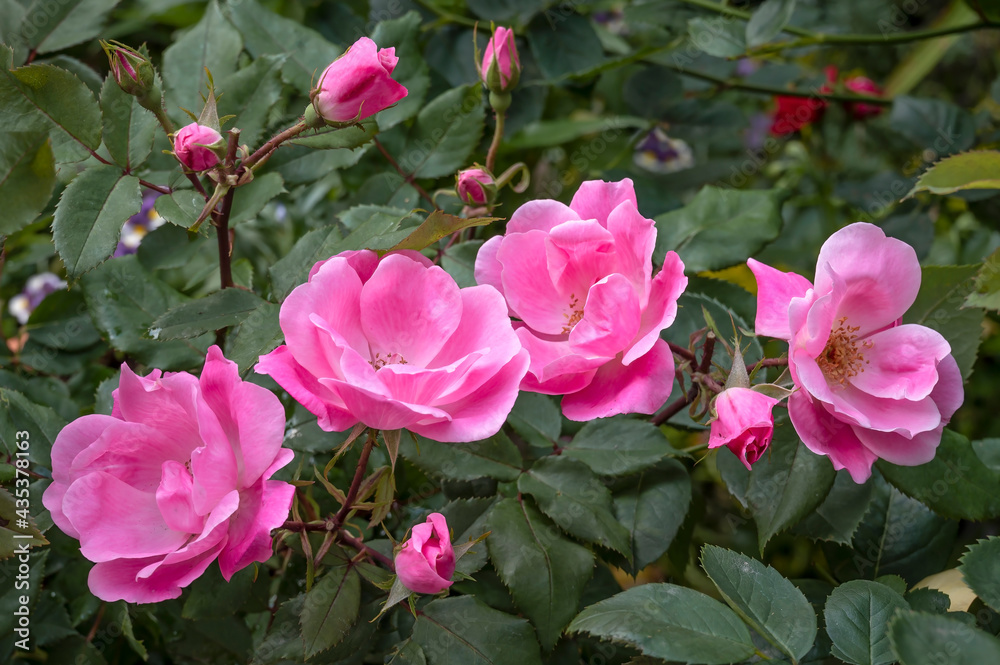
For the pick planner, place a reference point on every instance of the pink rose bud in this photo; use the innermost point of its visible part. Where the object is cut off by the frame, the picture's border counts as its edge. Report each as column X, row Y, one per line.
column 864, row 86
column 744, row 423
column 131, row 70
column 357, row 84
column 178, row 476
column 476, row 187
column 196, row 146
column 426, row 561
column 501, row 66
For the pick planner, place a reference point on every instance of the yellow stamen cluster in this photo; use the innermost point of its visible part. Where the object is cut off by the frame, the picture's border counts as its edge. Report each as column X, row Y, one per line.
column 842, row 358
column 389, row 359
column 575, row 317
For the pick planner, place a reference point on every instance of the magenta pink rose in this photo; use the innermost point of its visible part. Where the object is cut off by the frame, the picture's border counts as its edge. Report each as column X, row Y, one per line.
column 744, row 423
column 191, row 145
column 869, row 386
column 176, row 477
column 473, row 186
column 501, row 59
column 396, row 344
column 579, row 278
column 426, row 561
column 864, row 86
column 358, row 83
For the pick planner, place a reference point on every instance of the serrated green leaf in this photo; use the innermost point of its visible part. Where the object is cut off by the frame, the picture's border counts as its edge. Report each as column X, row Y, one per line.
column 27, row 177
column 330, row 609
column 20, row 414
column 928, row 639
column 181, row 207
column 718, row 36
column 90, row 215
column 250, row 95
column 251, row 198
column 857, row 618
column 768, row 20
column 939, row 306
column 445, row 133
column 544, row 571
column 669, row 622
column 933, row 124
column 981, row 570
column 565, row 47
column 986, row 290
column 838, row 517
column 221, row 309
column 925, row 599
column 58, row 25
column 768, row 602
column 495, row 457
column 619, row 446
column 464, row 631
column 258, row 334
column 979, row 169
column 128, row 128
column 569, row 493
column 652, row 506
column 61, row 321
column 438, row 225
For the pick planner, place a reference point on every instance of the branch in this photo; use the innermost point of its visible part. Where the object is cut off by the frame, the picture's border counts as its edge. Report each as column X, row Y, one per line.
column 682, row 352
column 408, row 177
column 364, row 549
column 155, row 188
column 491, row 156
column 359, row 475
column 262, row 153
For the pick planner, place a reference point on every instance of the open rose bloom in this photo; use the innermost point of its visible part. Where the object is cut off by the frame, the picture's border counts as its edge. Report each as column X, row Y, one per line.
column 177, row 476
column 869, row 386
column 579, row 279
column 426, row 561
column 396, row 344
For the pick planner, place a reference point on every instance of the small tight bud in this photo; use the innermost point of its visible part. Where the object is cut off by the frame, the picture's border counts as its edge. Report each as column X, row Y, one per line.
column 501, row 66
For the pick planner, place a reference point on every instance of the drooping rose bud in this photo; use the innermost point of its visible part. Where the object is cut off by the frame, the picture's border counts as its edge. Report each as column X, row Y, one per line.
column 501, row 67
column 357, row 84
column 744, row 423
column 426, row 561
column 863, row 85
column 197, row 146
column 131, row 70
column 476, row 187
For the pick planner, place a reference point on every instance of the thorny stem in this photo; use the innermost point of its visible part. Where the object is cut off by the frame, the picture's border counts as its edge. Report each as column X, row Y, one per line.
column 681, row 351
column 408, row 177
column 364, row 549
column 675, row 407
column 768, row 362
column 155, row 188
column 262, row 153
column 491, row 156
column 359, row 475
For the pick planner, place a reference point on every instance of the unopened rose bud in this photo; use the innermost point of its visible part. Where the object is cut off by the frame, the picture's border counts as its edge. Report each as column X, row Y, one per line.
column 476, row 186
column 426, row 561
column 744, row 424
column 863, row 85
column 501, row 67
column 198, row 147
column 131, row 70
column 357, row 84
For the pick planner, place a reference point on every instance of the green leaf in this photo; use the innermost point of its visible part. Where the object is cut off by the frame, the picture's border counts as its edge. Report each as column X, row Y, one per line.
column 933, row 124
column 719, row 228
column 258, row 334
column 128, row 128
column 564, row 47
column 925, row 599
column 20, row 414
column 988, row 452
column 718, row 36
column 939, row 306
column 537, row 419
column 768, row 602
column 16, row 531
column 212, row 44
column 769, row 20
column 251, row 94
column 212, row 596
column 857, row 620
column 548, row 133
column 218, row 310
column 504, row 10
column 954, row 484
column 251, row 198
column 459, row 261
column 408, row 653
column 119, row 617
column 43, row 97
column 495, row 457
column 124, row 300
column 27, row 177
column 979, row 169
column 266, row 33
column 439, row 225
column 58, row 25
column 61, row 321
column 445, row 133
column 571, row 495
column 90, row 215
column 469, row 519
column 464, row 631
column 652, row 506
column 838, row 517
column 181, row 207
column 986, row 290
column 411, row 70
column 544, row 571
column 981, row 570
column 783, row 486
column 928, row 639
column 339, row 138
column 619, row 446
column 669, row 622
column 330, row 609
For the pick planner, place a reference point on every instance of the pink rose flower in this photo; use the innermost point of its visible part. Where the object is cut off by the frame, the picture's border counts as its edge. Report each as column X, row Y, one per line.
column 869, row 386
column 359, row 81
column 191, row 146
column 744, row 423
column 472, row 186
column 864, row 86
column 426, row 561
column 579, row 278
column 176, row 477
column 396, row 344
column 502, row 59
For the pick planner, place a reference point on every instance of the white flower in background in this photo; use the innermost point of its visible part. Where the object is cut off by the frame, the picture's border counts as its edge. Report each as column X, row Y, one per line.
column 37, row 287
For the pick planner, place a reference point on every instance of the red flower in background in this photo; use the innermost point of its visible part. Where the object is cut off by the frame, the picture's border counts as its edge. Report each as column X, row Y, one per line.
column 863, row 85
column 794, row 113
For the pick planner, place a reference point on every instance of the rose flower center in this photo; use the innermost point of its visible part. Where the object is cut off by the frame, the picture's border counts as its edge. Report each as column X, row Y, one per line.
column 843, row 356
column 575, row 316
column 381, row 360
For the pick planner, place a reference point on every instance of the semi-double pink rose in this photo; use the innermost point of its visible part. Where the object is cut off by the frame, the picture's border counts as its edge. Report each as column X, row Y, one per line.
column 744, row 423
column 177, row 476
column 579, row 278
column 196, row 146
column 869, row 386
column 358, row 83
column 396, row 344
column 426, row 561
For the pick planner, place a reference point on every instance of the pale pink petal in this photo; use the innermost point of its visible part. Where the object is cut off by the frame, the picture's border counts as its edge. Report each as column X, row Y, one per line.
column 540, row 215
column 488, row 268
column 901, row 362
column 635, row 239
column 529, row 288
column 133, row 453
column 332, row 414
column 823, row 434
column 898, row 449
column 610, row 318
column 416, row 573
column 75, row 438
column 660, row 312
column 595, row 199
column 641, row 387
column 738, row 410
column 409, row 310
column 215, row 465
column 166, row 403
column 262, row 508
column 417, row 385
column 52, row 499
column 949, row 393
column 906, row 417
column 174, row 499
column 484, row 326
column 579, row 254
column 775, row 290
column 379, row 411
column 555, row 368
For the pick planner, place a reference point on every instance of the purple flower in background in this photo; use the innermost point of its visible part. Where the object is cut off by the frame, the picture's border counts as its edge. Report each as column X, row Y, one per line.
column 746, row 66
column 612, row 19
column 658, row 153
column 138, row 225
column 758, row 131
column 38, row 286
